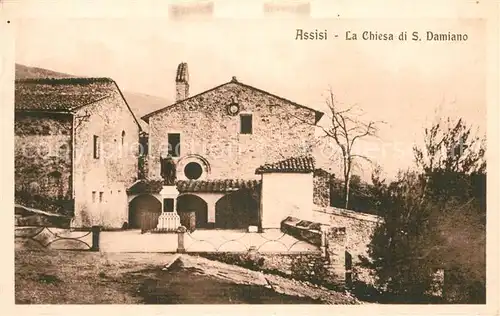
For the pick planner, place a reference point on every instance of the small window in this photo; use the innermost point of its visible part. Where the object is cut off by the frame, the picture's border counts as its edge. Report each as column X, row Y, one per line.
column 168, row 205
column 246, row 123
column 174, row 144
column 97, row 147
column 101, row 196
column 123, row 138
column 93, row 196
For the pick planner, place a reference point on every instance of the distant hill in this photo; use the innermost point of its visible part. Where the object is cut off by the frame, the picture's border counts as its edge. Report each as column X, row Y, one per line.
column 140, row 103
column 26, row 72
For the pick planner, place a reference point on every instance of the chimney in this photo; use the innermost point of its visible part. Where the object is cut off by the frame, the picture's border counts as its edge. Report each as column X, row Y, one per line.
column 182, row 82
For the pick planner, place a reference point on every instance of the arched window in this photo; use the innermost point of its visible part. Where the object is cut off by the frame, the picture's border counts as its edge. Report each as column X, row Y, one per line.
column 123, row 138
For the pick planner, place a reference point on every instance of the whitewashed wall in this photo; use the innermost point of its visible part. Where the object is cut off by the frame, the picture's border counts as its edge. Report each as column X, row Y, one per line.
column 285, row 194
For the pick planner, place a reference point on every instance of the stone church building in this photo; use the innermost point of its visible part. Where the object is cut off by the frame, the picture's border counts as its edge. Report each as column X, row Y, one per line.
column 242, row 155
column 75, row 149
column 223, row 142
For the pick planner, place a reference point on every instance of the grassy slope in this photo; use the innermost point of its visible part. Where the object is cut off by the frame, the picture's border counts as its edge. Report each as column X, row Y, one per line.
column 81, row 277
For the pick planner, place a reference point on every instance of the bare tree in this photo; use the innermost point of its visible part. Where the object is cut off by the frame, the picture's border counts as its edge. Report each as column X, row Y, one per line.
column 345, row 129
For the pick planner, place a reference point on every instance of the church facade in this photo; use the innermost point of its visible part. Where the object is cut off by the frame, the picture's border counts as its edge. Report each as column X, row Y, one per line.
column 217, row 140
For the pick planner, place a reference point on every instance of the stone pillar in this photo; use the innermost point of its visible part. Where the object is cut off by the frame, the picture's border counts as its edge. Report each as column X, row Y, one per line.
column 335, row 251
column 96, row 231
column 168, row 221
column 181, row 232
column 324, row 230
column 211, row 211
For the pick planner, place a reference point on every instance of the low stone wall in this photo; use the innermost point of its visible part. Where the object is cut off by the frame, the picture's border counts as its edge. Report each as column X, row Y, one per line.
column 303, row 230
column 359, row 229
column 325, row 267
column 312, row 266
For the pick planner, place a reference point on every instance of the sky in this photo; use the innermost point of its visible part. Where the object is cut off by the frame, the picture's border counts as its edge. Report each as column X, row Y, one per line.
column 406, row 84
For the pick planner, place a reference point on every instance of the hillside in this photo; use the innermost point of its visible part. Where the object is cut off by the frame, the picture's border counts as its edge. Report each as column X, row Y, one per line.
column 140, row 103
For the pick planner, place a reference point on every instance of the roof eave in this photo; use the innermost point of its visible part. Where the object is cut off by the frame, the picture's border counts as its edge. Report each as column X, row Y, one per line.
column 128, row 106
column 282, row 171
column 318, row 117
column 52, row 111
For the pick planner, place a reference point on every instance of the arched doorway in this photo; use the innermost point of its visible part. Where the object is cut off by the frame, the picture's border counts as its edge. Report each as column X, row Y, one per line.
column 189, row 205
column 237, row 210
column 143, row 212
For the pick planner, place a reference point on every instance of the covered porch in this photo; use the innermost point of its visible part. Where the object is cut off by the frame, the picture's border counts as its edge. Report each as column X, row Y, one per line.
column 200, row 204
column 219, row 204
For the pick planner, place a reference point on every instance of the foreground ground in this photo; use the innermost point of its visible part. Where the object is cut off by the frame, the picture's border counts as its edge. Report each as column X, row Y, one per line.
column 69, row 277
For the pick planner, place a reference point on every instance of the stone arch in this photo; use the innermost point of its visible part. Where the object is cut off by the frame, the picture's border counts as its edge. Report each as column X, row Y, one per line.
column 142, row 212
column 192, row 205
column 237, row 210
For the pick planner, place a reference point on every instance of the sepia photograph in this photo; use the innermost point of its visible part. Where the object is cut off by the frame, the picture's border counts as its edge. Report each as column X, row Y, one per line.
column 187, row 158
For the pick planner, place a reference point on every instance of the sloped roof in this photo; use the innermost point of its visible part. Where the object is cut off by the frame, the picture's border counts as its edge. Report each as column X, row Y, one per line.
column 291, row 165
column 63, row 94
column 216, row 185
column 318, row 114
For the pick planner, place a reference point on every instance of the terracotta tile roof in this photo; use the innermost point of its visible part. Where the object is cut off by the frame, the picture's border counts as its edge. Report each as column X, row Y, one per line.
column 60, row 94
column 145, row 186
column 216, row 185
column 290, row 165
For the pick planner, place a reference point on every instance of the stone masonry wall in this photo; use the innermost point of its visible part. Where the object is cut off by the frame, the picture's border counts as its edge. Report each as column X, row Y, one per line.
column 359, row 231
column 322, row 180
column 42, row 148
column 209, row 131
column 312, row 266
column 359, row 227
column 100, row 184
column 326, row 268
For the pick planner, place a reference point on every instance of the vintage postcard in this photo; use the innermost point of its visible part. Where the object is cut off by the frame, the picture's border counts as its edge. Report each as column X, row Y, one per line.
column 286, row 153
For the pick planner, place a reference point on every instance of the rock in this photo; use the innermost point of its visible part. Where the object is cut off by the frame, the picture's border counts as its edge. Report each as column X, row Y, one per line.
column 224, row 271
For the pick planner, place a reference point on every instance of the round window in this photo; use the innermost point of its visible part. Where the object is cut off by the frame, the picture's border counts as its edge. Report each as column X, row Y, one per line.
column 193, row 171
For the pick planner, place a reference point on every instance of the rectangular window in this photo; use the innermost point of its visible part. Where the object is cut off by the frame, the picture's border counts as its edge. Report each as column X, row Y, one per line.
column 93, row 196
column 168, row 205
column 174, row 144
column 97, row 147
column 101, row 196
column 246, row 123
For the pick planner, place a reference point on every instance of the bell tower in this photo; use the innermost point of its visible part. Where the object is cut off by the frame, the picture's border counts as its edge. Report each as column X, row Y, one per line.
column 182, row 82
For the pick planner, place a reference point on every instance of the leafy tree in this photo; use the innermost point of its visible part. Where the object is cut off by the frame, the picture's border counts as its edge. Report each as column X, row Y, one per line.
column 434, row 218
